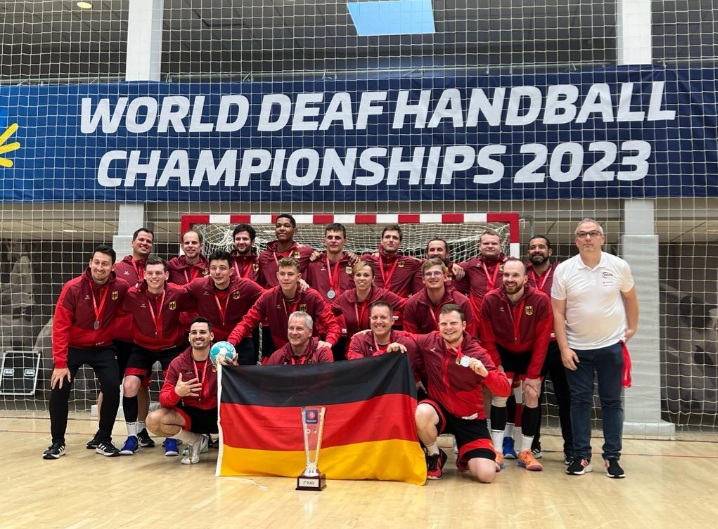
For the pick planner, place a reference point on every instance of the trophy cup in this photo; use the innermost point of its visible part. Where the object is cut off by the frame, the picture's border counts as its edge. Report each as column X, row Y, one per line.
column 313, row 425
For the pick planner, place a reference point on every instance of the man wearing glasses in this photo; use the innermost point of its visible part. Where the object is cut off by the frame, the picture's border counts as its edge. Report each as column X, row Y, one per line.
column 595, row 313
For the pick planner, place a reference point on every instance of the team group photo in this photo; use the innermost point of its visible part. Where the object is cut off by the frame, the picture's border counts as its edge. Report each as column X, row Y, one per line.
column 368, row 263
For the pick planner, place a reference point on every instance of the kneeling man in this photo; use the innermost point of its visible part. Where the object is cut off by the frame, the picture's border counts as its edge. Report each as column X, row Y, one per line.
column 189, row 395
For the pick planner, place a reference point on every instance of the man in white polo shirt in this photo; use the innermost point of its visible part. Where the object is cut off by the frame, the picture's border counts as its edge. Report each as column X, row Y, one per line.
column 595, row 313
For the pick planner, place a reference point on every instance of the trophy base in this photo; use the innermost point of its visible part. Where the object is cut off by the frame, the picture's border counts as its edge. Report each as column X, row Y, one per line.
column 316, row 483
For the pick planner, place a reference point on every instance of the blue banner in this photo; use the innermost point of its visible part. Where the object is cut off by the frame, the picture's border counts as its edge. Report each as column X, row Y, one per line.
column 623, row 132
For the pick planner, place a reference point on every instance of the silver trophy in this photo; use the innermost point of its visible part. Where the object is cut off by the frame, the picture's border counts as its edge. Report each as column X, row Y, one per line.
column 313, row 425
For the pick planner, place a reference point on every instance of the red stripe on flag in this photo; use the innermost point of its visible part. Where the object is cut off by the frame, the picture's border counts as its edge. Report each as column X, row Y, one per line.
column 280, row 428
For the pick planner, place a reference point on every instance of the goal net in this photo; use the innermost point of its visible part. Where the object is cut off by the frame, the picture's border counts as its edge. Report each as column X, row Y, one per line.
column 460, row 231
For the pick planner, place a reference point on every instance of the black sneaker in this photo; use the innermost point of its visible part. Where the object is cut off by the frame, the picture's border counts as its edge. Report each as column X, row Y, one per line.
column 579, row 466
column 567, row 458
column 54, row 451
column 144, row 439
column 92, row 443
column 435, row 464
column 613, row 469
column 107, row 449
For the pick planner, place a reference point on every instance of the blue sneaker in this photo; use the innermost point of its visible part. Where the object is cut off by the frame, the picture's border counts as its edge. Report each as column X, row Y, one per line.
column 171, row 447
column 508, row 448
column 130, row 447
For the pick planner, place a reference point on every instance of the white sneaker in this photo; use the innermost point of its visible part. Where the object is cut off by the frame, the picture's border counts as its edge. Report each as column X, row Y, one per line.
column 456, row 446
column 195, row 450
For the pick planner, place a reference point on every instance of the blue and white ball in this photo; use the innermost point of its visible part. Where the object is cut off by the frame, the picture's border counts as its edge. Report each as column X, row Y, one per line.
column 222, row 348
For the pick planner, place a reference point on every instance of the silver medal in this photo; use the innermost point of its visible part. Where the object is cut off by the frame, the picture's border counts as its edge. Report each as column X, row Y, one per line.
column 465, row 361
column 96, row 325
column 331, row 294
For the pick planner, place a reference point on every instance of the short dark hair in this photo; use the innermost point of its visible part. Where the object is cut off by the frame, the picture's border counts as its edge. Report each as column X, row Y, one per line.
column 446, row 244
column 147, row 230
column 286, row 216
column 392, row 227
column 451, row 307
column 336, row 226
column 245, row 227
column 548, row 242
column 192, row 230
column 155, row 260
column 382, row 303
column 106, row 250
column 202, row 319
column 221, row 255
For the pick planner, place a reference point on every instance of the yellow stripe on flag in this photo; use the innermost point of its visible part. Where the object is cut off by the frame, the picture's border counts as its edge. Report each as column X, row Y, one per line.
column 391, row 460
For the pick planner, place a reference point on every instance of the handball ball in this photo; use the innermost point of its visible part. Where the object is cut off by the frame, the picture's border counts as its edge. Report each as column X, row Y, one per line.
column 222, row 348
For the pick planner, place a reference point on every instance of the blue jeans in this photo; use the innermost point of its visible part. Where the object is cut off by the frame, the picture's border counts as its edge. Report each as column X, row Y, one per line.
column 607, row 363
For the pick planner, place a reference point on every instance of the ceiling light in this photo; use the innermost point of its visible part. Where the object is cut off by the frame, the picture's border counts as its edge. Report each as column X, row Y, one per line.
column 84, row 5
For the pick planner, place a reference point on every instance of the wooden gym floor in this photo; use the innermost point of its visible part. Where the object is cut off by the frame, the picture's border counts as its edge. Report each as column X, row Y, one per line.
column 668, row 484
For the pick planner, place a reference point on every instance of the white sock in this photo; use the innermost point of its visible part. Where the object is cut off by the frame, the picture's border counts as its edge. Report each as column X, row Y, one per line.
column 526, row 442
column 187, row 437
column 509, row 430
column 433, row 449
column 141, row 426
column 497, row 437
column 132, row 429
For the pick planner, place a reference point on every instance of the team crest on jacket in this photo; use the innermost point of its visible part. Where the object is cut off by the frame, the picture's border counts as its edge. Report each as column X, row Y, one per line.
column 205, row 271
column 303, row 307
column 296, row 254
column 172, row 305
column 349, row 270
column 235, row 294
column 255, row 267
column 528, row 310
column 115, row 295
column 401, row 264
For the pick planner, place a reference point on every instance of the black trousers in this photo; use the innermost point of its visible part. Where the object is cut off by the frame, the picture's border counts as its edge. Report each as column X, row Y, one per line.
column 556, row 371
column 103, row 360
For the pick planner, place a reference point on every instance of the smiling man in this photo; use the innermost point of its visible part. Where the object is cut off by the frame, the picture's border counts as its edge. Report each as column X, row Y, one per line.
column 421, row 314
column 82, row 334
column 457, row 368
column 301, row 348
column 515, row 330
column 189, row 395
column 595, row 313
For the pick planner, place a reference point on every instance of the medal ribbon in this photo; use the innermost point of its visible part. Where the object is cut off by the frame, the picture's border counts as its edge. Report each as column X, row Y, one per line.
column 492, row 280
column 157, row 319
column 292, row 307
column 139, row 268
column 195, row 273
column 222, row 311
column 516, row 319
column 544, row 277
column 333, row 276
column 377, row 347
column 451, row 350
column 245, row 268
column 200, row 379
column 98, row 311
column 387, row 278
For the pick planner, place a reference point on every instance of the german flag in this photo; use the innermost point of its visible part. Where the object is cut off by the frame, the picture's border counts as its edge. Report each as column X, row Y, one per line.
column 369, row 429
